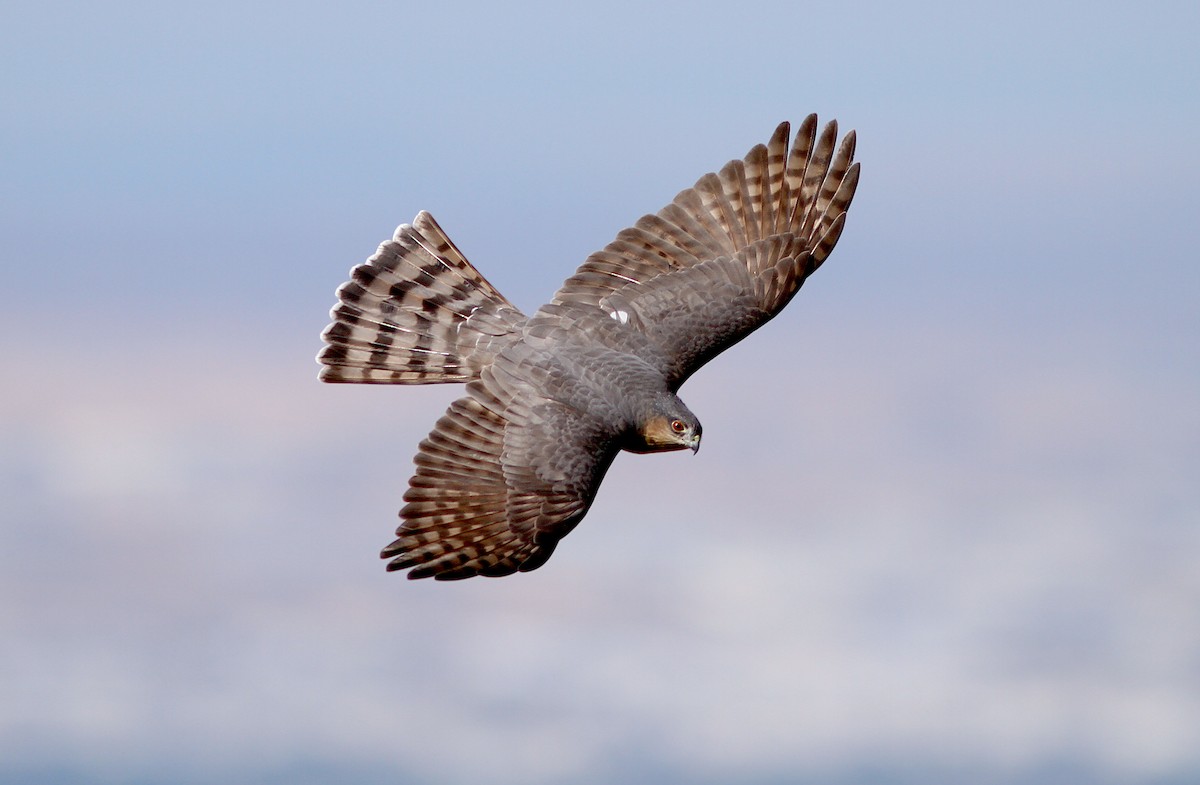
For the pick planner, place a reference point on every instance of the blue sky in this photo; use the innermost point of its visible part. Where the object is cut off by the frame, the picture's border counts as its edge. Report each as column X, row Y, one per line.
column 944, row 527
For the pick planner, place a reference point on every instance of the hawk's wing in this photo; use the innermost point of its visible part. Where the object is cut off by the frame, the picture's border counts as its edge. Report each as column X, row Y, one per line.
column 504, row 475
column 727, row 254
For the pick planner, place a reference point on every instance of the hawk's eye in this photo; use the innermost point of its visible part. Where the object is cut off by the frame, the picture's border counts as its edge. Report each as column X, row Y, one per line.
column 678, row 426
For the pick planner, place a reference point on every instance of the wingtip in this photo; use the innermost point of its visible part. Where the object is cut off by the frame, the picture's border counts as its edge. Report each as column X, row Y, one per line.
column 849, row 144
column 783, row 132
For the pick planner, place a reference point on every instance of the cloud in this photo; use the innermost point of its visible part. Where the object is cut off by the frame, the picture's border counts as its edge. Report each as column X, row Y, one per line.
column 863, row 566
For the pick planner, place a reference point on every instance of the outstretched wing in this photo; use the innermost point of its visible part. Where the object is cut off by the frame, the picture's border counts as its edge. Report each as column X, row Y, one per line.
column 729, row 253
column 503, row 476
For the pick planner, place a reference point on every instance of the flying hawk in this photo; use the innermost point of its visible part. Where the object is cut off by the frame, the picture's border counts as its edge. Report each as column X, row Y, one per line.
column 552, row 398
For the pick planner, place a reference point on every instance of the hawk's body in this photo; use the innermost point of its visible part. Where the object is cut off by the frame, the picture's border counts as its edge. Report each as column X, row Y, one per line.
column 551, row 399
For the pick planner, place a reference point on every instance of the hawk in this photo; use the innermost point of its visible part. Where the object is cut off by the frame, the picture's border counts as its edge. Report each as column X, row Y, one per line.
column 551, row 398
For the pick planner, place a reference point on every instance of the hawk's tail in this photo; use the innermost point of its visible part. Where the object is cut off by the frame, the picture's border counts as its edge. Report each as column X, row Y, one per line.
column 416, row 312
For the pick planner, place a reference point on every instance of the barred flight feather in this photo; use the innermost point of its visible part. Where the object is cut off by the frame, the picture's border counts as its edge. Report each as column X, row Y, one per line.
column 455, row 520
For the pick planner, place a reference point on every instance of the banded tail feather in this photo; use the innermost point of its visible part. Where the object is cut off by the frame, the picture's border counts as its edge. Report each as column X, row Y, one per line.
column 417, row 312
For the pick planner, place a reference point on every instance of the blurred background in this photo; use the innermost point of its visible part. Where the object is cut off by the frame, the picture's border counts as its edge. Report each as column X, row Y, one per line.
column 945, row 526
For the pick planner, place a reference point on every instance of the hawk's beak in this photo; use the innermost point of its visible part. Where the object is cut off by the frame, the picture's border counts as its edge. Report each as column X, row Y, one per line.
column 695, row 444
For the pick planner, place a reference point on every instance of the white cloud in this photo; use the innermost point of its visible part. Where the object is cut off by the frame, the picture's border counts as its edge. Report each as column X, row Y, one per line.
column 842, row 584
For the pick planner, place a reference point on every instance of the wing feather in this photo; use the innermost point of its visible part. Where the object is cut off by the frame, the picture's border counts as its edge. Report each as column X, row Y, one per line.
column 746, row 238
column 675, row 244
column 503, row 476
column 814, row 177
column 735, row 189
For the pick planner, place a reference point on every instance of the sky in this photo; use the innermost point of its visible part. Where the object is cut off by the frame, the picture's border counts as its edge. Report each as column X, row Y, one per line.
column 946, row 523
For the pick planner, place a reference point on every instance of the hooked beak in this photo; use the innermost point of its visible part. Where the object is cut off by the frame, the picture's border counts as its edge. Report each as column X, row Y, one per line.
column 695, row 444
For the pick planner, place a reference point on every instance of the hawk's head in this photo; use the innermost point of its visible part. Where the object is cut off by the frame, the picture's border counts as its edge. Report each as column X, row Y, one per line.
column 668, row 425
